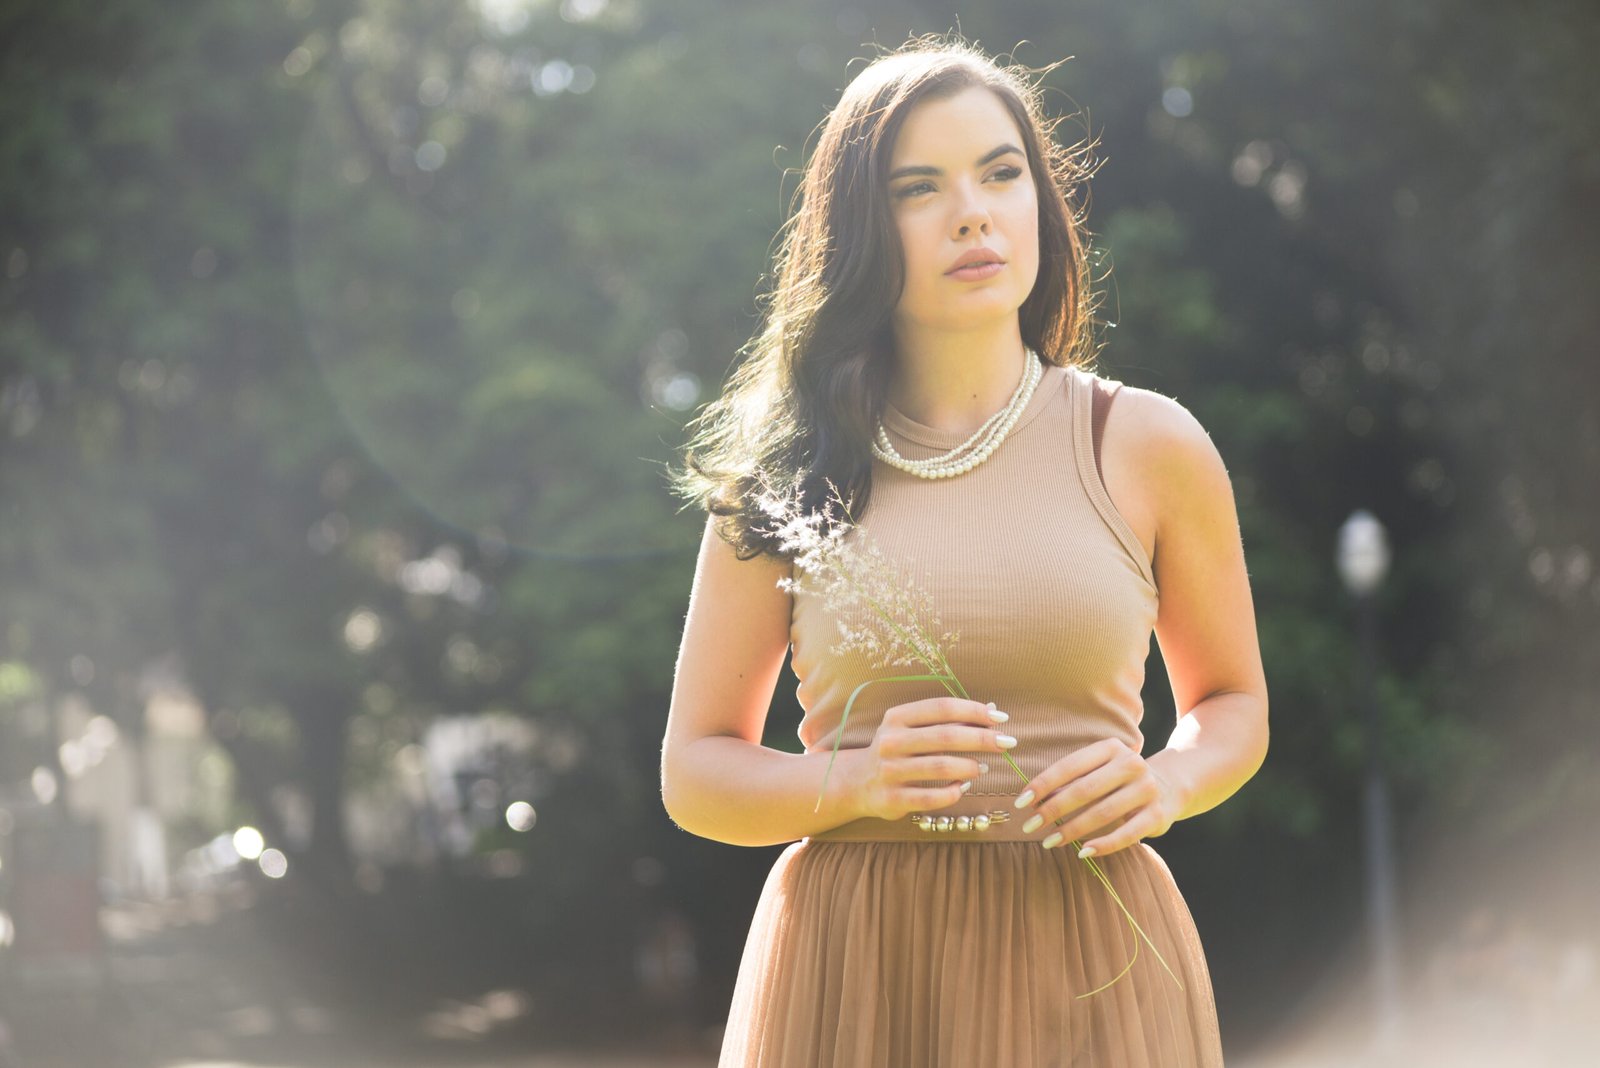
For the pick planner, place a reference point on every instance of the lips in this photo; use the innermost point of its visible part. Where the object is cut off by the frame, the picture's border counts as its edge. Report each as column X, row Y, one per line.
column 975, row 257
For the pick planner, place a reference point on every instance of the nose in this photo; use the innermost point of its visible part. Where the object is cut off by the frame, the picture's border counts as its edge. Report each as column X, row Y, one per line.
column 971, row 214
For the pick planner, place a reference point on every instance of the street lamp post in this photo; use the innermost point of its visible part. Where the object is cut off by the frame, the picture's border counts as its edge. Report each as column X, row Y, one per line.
column 1363, row 562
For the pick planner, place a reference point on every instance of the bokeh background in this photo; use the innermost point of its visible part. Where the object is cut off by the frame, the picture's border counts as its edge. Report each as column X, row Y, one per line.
column 342, row 348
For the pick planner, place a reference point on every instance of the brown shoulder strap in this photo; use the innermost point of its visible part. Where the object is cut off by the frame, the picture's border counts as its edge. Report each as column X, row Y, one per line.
column 1104, row 392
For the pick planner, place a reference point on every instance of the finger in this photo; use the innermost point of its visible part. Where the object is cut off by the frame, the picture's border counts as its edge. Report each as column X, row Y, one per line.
column 917, row 768
column 934, row 710
column 1137, row 828
column 922, row 798
column 945, row 738
column 1073, row 766
column 1119, row 803
column 1077, row 795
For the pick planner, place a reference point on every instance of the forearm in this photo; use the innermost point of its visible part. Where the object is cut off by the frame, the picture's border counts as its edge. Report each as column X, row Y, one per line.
column 730, row 790
column 1214, row 750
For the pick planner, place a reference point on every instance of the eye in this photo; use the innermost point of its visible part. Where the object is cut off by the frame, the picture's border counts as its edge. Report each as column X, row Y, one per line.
column 1004, row 174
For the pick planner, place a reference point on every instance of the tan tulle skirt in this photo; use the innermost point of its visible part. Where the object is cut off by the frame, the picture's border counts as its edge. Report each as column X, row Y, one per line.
column 966, row 954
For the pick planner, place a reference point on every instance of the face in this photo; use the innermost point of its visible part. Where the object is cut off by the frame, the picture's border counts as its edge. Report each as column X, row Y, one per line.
column 959, row 180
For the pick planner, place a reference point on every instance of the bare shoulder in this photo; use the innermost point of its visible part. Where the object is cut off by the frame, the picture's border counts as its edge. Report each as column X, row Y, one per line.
column 1167, row 439
column 1155, row 455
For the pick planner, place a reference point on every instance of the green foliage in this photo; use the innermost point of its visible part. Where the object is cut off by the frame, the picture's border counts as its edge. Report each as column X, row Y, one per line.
column 302, row 304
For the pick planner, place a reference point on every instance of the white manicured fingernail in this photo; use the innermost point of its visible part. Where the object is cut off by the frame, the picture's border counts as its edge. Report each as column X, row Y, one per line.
column 1053, row 841
column 1034, row 824
column 997, row 715
column 1027, row 795
column 983, row 769
column 1005, row 741
column 966, row 786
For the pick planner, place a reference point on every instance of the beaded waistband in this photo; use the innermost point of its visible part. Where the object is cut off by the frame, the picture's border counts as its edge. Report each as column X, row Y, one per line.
column 974, row 818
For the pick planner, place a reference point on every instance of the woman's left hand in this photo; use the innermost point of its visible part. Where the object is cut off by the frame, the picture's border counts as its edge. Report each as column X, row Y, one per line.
column 1099, row 786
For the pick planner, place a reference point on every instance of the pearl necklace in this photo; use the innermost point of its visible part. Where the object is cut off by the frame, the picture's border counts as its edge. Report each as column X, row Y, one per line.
column 986, row 438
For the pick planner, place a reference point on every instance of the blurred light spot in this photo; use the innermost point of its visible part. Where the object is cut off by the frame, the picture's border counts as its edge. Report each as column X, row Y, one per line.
column 430, row 575
column 1252, row 162
column 297, row 62
column 101, row 733
column 507, row 1004
column 152, row 375
column 1427, row 476
column 430, row 156
column 82, row 669
column 8, row 930
column 72, row 758
column 326, row 533
column 1287, row 189
column 354, row 170
column 362, row 630
column 44, row 785
column 433, row 91
column 1360, row 421
column 505, row 17
column 581, row 10
column 411, row 759
column 1541, row 565
column 1576, row 568
column 19, row 403
column 520, row 816
column 1178, row 102
column 583, row 79
column 248, row 843
column 461, row 655
column 678, row 392
column 1375, row 357
column 552, row 77
column 273, row 864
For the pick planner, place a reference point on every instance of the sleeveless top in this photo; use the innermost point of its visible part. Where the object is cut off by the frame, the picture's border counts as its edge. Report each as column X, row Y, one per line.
column 1050, row 593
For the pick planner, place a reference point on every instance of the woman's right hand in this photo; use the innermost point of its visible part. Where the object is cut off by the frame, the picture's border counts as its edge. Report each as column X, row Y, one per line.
column 912, row 745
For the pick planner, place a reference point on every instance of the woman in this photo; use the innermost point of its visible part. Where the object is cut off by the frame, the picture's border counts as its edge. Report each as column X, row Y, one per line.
column 950, row 408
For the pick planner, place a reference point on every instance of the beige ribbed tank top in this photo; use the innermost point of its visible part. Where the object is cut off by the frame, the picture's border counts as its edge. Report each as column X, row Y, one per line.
column 1029, row 560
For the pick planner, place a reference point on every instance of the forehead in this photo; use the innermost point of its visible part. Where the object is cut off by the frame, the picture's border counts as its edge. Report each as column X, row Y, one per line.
column 953, row 126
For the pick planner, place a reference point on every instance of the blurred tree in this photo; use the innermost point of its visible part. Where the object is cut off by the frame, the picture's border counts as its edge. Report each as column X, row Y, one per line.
column 342, row 343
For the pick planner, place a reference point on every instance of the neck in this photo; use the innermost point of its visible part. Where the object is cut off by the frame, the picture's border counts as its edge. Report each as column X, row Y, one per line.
column 953, row 382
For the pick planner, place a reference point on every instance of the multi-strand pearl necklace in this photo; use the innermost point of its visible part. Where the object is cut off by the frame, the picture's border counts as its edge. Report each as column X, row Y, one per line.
column 983, row 441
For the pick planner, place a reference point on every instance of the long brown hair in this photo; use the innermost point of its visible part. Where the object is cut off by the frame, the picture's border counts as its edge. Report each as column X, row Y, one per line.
column 800, row 409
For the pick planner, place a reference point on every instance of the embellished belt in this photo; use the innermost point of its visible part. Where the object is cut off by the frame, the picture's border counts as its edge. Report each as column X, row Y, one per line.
column 974, row 818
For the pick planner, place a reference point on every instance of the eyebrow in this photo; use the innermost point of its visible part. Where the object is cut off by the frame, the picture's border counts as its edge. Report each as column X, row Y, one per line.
column 994, row 153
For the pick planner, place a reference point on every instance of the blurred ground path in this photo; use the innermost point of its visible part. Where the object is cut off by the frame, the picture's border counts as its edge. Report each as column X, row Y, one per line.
column 184, row 988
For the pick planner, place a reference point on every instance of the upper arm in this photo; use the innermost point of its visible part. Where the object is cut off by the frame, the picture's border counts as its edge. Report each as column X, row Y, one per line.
column 1205, row 622
column 734, row 640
